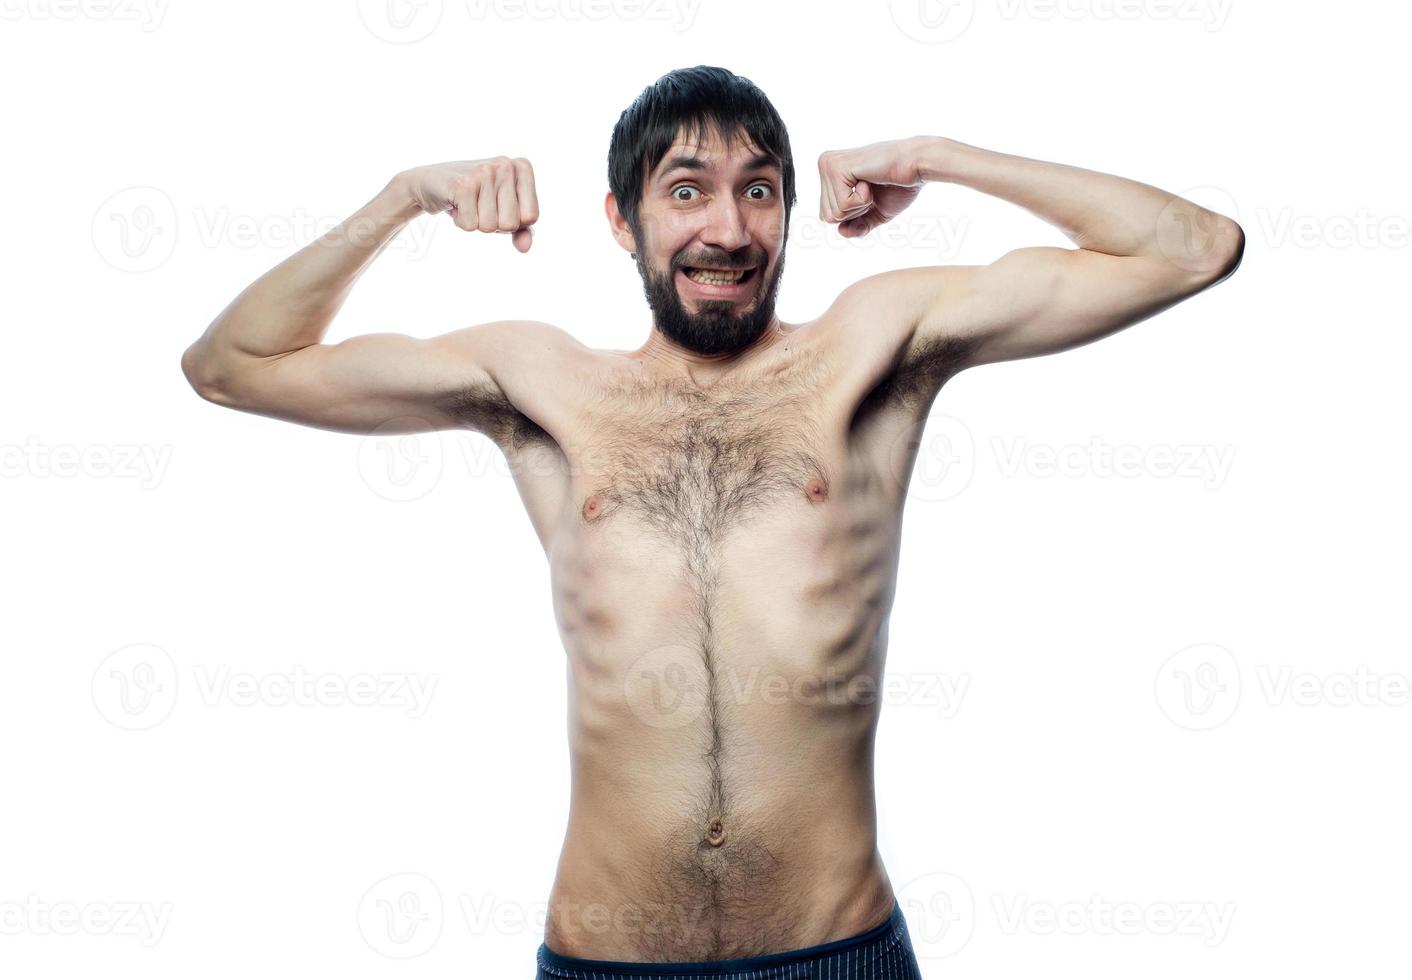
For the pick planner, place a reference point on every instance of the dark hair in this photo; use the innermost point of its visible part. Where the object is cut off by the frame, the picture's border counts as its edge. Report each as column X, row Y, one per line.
column 690, row 100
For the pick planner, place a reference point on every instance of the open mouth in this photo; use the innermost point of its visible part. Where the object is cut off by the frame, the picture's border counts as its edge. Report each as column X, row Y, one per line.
column 719, row 278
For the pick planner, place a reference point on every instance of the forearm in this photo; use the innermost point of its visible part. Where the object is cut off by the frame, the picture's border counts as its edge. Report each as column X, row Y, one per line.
column 1096, row 211
column 292, row 305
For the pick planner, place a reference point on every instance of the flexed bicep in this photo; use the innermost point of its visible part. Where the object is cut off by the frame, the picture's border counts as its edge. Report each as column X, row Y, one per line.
column 1043, row 300
column 392, row 383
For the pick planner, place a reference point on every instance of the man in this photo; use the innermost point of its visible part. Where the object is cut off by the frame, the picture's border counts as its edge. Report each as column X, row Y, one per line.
column 721, row 507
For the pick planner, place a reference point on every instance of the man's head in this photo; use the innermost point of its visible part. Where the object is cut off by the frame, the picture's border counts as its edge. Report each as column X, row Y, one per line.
column 701, row 176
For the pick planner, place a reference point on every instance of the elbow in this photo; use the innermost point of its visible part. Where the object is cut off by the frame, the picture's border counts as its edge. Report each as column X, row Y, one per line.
column 1231, row 250
column 1222, row 255
column 199, row 373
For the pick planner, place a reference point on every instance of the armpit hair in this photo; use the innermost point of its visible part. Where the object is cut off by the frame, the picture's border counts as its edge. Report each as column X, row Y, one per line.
column 924, row 369
column 485, row 408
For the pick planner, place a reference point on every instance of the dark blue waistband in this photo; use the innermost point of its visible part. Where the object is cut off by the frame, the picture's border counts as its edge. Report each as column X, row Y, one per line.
column 877, row 934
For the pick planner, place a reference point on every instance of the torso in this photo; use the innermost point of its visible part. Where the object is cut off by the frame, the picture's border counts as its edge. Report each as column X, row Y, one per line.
column 723, row 562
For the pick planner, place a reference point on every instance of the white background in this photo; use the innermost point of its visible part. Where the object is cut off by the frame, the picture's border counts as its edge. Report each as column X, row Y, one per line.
column 1182, row 682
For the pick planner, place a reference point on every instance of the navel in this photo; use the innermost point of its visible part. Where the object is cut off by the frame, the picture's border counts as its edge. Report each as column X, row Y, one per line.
column 816, row 490
column 716, row 833
column 593, row 507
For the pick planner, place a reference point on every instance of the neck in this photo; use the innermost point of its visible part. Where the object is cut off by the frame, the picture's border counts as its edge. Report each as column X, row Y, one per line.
column 670, row 357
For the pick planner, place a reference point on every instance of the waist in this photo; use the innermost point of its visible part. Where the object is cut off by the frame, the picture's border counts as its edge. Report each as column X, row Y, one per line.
column 871, row 952
column 678, row 893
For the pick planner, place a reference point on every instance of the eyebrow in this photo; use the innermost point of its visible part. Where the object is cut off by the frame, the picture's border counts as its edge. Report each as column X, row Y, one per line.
column 688, row 162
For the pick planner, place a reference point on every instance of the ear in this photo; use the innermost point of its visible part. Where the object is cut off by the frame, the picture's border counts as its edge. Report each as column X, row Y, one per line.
column 619, row 224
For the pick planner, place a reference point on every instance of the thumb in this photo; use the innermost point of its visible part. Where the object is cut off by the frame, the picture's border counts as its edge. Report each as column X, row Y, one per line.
column 522, row 238
column 861, row 225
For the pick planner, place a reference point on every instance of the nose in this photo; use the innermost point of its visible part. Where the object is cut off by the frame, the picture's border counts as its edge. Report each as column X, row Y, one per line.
column 725, row 225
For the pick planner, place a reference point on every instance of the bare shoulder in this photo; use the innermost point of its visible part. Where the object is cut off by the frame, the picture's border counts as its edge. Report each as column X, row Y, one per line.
column 505, row 345
column 529, row 377
column 872, row 330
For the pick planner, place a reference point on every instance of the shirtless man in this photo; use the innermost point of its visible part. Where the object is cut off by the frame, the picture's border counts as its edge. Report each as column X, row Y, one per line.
column 721, row 508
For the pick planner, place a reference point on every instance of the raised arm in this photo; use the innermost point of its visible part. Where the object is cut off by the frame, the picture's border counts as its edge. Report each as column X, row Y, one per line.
column 264, row 353
column 1139, row 250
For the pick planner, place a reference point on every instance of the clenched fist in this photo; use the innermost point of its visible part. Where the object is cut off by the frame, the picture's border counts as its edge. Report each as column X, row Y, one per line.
column 495, row 194
column 864, row 187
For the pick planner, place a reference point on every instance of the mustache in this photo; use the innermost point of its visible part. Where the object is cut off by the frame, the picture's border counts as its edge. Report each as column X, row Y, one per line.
column 721, row 261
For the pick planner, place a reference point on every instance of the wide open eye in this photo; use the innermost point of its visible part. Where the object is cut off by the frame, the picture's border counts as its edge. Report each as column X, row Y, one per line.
column 677, row 193
column 769, row 192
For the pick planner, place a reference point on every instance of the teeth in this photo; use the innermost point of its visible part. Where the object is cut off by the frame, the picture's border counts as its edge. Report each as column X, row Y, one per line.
column 715, row 276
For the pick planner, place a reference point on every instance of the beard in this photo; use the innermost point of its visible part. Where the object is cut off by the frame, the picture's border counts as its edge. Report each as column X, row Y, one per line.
column 715, row 328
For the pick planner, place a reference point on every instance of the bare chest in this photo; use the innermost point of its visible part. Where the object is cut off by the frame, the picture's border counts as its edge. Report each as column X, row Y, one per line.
column 692, row 467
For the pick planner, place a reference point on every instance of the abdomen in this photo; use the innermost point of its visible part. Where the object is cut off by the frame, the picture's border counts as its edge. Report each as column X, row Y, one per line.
column 721, row 727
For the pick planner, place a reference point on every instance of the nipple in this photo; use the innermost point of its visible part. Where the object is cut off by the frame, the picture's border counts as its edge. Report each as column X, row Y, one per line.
column 816, row 490
column 593, row 508
column 716, row 833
